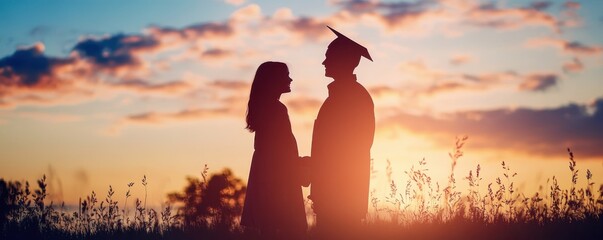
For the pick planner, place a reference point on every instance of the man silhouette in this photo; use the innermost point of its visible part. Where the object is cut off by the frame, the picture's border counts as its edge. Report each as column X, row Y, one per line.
column 341, row 143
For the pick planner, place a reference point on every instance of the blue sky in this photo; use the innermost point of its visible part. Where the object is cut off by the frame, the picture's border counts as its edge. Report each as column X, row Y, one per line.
column 61, row 22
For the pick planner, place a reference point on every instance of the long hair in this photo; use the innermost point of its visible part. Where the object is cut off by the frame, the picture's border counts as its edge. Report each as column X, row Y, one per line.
column 262, row 90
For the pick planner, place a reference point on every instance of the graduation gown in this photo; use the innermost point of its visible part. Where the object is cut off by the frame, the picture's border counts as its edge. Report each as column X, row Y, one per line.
column 341, row 143
column 274, row 196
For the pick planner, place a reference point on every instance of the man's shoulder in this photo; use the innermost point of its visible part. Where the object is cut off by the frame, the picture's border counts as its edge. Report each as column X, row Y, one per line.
column 361, row 88
column 361, row 93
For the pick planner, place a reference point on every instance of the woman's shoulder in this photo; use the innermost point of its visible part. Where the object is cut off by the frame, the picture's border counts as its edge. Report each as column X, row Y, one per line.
column 282, row 110
column 273, row 108
column 273, row 114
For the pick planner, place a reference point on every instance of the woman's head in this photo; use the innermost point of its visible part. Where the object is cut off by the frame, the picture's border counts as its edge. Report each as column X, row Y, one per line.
column 270, row 81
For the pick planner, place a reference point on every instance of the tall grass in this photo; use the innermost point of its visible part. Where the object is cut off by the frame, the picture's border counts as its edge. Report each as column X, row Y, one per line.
column 26, row 215
column 422, row 201
column 209, row 207
column 420, row 208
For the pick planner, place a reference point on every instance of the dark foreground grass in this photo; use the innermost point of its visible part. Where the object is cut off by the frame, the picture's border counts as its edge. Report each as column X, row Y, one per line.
column 210, row 207
column 466, row 229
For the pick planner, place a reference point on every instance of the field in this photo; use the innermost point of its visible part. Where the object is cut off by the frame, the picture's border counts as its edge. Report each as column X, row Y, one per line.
column 209, row 208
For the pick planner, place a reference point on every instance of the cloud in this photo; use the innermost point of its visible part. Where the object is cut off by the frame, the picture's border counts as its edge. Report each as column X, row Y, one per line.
column 121, row 54
column 197, row 42
column 141, row 86
column 127, row 62
column 46, row 98
column 207, row 30
column 230, row 85
column 28, row 67
column 221, row 98
column 535, row 131
column 445, row 87
column 304, row 105
column 29, row 77
column 216, row 53
column 310, row 29
column 231, row 94
column 227, row 108
column 440, row 81
column 538, row 82
column 115, row 52
column 227, row 99
column 162, row 118
column 451, row 14
column 579, row 48
column 573, row 66
column 396, row 15
column 540, row 5
column 50, row 117
column 490, row 15
column 184, row 115
column 460, row 59
column 382, row 91
column 471, row 82
column 247, row 13
column 570, row 15
column 574, row 47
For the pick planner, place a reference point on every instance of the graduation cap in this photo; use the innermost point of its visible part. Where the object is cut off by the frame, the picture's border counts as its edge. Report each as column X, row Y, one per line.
column 355, row 47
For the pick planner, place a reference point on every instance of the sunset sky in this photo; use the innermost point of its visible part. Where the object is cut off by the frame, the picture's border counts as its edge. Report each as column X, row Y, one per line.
column 99, row 93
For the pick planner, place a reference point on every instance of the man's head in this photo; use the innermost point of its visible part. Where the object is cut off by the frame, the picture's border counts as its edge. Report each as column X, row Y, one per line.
column 339, row 60
column 343, row 56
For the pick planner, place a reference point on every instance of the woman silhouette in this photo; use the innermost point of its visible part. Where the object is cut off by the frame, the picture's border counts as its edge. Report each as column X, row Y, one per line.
column 274, row 201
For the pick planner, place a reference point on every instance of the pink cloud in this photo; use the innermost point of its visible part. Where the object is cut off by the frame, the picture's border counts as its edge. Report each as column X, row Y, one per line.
column 162, row 118
column 460, row 59
column 230, row 85
column 121, row 57
column 184, row 115
column 573, row 66
column 381, row 91
column 304, row 105
column 575, row 47
column 429, row 82
column 538, row 82
column 445, row 82
column 29, row 68
column 413, row 15
column 29, row 77
column 570, row 15
column 490, row 15
column 216, row 53
column 141, row 86
column 210, row 30
column 50, row 117
column 115, row 53
column 535, row 131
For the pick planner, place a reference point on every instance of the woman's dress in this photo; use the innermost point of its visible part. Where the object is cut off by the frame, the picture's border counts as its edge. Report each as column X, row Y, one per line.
column 274, row 197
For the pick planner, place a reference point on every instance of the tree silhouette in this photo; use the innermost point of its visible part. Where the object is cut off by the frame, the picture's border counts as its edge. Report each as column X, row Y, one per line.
column 217, row 202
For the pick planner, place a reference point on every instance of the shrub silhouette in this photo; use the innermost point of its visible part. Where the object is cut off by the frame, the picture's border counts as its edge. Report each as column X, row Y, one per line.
column 8, row 198
column 217, row 202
